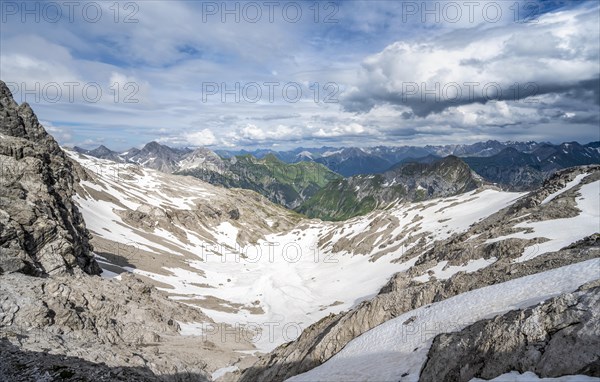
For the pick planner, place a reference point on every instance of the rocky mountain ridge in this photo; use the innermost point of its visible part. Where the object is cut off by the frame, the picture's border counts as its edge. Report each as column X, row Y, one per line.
column 286, row 184
column 408, row 182
column 41, row 230
column 293, row 177
column 58, row 319
column 282, row 183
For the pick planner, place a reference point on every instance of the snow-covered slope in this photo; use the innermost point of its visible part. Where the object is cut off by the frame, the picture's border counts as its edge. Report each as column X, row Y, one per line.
column 293, row 278
column 397, row 349
column 455, row 246
column 250, row 264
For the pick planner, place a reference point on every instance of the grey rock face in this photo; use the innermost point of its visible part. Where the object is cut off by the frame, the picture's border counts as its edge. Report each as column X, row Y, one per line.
column 101, row 152
column 41, row 230
column 125, row 324
column 19, row 365
column 202, row 158
column 158, row 157
column 556, row 338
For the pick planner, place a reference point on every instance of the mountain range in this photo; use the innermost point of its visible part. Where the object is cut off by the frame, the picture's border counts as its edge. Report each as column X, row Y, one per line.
column 405, row 182
column 287, row 184
column 349, row 161
column 329, row 183
column 112, row 271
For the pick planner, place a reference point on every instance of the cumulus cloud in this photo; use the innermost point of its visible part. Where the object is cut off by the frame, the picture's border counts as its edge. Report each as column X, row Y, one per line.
column 204, row 137
column 341, row 130
column 201, row 138
column 371, row 53
column 61, row 134
column 511, row 62
column 253, row 133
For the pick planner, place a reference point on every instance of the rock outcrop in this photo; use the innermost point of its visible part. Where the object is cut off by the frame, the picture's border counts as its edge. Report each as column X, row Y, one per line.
column 58, row 319
column 119, row 323
column 41, row 230
column 558, row 337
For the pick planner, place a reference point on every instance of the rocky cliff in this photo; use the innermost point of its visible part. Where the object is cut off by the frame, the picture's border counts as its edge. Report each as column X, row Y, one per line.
column 58, row 319
column 41, row 230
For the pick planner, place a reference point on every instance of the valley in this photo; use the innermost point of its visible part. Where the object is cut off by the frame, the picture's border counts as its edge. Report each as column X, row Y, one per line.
column 300, row 191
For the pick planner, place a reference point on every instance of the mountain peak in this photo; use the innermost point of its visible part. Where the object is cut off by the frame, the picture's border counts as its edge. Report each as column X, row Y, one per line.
column 6, row 98
column 153, row 146
column 102, row 149
column 270, row 157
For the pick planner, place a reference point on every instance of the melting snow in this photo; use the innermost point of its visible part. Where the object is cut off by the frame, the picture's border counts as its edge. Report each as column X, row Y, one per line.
column 570, row 185
column 532, row 377
column 385, row 352
column 571, row 229
column 443, row 274
column 222, row 371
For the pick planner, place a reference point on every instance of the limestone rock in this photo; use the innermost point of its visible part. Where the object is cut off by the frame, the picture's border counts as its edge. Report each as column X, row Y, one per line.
column 90, row 322
column 41, row 230
column 556, row 338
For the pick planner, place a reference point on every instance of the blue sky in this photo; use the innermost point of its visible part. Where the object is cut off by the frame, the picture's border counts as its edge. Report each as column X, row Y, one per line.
column 387, row 72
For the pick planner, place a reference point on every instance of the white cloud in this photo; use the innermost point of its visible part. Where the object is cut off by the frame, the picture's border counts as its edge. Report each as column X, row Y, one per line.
column 554, row 55
column 201, row 138
column 171, row 60
column 341, row 130
column 61, row 134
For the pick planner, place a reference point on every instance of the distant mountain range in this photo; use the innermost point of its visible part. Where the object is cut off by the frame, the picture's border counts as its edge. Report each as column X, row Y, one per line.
column 349, row 161
column 337, row 183
column 288, row 184
column 357, row 195
column 523, row 171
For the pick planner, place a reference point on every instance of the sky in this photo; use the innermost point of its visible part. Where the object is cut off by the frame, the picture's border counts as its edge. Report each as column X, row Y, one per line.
column 280, row 75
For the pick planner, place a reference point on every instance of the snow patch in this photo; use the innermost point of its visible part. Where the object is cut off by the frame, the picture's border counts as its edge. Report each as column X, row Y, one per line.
column 570, row 231
column 532, row 377
column 570, row 185
column 222, row 371
column 443, row 272
column 387, row 352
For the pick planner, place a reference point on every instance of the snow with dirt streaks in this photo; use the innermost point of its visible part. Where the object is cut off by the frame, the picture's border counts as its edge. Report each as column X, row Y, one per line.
column 571, row 229
column 288, row 278
column 569, row 186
